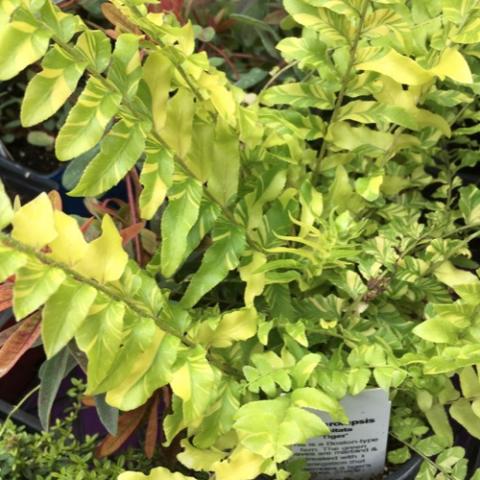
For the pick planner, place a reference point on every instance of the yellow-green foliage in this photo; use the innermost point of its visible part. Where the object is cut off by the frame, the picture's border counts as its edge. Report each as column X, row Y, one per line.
column 324, row 268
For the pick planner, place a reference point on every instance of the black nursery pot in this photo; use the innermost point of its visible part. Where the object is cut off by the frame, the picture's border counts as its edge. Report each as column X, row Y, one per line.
column 21, row 181
column 408, row 471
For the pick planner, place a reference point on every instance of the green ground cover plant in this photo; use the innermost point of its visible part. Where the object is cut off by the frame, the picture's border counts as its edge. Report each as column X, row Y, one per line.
column 312, row 241
column 57, row 454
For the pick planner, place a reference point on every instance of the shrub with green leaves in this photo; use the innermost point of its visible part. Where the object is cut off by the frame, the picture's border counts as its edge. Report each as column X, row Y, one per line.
column 313, row 240
column 58, row 454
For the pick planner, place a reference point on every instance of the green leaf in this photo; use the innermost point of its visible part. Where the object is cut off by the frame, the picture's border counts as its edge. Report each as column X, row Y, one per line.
column 64, row 313
column 91, row 114
column 334, row 28
column 457, row 11
column 369, row 187
column 469, row 31
column 96, row 48
column 270, row 370
column 470, row 382
column 193, row 381
column 51, row 374
column 177, row 132
column 63, row 25
column 10, row 262
column 119, row 151
column 304, row 368
column 100, row 337
column 34, row 284
column 156, row 178
column 436, row 330
column 387, row 377
column 224, row 168
column 251, row 78
column 184, row 199
column 440, row 423
column 340, row 191
column 222, row 257
column 268, row 427
column 209, row 213
column 430, row 446
column 470, row 204
column 22, row 42
column 153, row 371
column 299, row 95
column 38, row 138
column 125, row 69
column 309, row 51
column 399, row 456
column 157, row 74
column 50, row 89
column 450, row 457
column 358, row 379
column 461, row 411
column 221, row 420
column 136, row 344
column 108, row 415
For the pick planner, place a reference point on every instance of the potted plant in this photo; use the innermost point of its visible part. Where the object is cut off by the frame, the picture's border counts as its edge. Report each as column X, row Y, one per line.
column 58, row 453
column 313, row 241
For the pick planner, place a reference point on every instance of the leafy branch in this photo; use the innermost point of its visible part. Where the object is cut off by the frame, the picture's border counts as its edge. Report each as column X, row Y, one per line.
column 343, row 90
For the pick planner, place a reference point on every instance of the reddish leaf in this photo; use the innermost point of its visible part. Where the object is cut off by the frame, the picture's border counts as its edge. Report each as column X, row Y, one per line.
column 151, row 435
column 131, row 232
column 174, row 6
column 117, row 18
column 127, row 424
column 88, row 401
column 111, row 33
column 6, row 296
column 56, row 200
column 97, row 209
column 7, row 333
column 19, row 342
column 87, row 224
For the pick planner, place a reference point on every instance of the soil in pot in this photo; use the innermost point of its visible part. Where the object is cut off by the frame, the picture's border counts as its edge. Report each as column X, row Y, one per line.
column 34, row 158
column 29, row 147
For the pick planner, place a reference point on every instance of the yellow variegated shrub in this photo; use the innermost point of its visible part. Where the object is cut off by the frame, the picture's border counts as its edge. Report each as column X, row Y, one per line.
column 313, row 240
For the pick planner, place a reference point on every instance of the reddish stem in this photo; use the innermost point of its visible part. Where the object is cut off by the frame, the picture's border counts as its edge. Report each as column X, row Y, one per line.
column 226, row 58
column 132, row 203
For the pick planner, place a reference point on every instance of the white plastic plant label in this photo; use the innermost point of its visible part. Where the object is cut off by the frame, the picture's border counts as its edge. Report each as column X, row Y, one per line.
column 355, row 451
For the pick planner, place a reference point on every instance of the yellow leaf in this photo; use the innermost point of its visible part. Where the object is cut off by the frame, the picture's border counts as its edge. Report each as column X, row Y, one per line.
column 454, row 277
column 69, row 246
column 402, row 69
column 235, row 326
column 105, row 260
column 241, row 465
column 181, row 383
column 199, row 459
column 158, row 473
column 452, row 64
column 6, row 210
column 33, row 224
column 255, row 281
column 405, row 70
